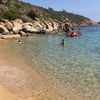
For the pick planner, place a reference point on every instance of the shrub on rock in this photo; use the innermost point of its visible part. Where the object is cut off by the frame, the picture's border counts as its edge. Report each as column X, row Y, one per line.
column 32, row 14
column 11, row 14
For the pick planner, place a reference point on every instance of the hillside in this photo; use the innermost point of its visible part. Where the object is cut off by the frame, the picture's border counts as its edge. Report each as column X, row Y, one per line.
column 18, row 17
column 12, row 9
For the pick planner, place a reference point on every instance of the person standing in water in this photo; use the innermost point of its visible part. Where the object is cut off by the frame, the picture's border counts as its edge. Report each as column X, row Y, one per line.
column 62, row 42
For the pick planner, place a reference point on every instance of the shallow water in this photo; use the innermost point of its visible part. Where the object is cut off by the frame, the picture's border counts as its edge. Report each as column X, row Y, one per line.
column 75, row 66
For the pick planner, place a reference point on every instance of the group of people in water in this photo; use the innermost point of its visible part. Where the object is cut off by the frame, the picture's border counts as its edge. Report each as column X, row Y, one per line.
column 70, row 31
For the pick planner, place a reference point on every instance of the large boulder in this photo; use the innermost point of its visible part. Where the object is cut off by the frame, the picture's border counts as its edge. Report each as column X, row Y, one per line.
column 48, row 27
column 55, row 25
column 3, row 30
column 19, row 21
column 3, row 24
column 9, row 25
column 29, row 27
column 38, row 26
column 17, row 26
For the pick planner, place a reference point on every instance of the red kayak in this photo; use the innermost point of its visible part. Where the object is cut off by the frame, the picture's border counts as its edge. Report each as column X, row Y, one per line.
column 73, row 34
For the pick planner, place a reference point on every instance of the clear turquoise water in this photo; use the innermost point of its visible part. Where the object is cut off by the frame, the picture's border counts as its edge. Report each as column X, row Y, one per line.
column 76, row 65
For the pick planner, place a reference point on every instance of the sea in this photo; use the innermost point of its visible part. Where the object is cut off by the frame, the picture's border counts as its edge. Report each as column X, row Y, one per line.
column 74, row 66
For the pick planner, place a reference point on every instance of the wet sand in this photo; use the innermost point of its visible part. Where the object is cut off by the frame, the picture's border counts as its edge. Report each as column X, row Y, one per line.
column 19, row 81
column 6, row 95
column 9, row 36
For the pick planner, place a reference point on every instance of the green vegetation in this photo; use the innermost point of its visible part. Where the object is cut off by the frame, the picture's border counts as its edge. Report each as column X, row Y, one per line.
column 62, row 15
column 11, row 14
column 32, row 14
column 17, row 9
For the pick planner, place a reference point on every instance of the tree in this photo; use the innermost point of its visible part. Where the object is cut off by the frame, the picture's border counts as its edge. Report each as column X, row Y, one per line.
column 32, row 14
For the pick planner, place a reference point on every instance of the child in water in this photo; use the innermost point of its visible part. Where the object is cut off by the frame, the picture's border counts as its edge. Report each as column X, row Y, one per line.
column 19, row 42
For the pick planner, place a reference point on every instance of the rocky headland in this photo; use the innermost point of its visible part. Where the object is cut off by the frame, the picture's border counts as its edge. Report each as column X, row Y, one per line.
column 18, row 18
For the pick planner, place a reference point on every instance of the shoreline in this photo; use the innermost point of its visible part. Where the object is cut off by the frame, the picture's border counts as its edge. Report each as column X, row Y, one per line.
column 25, row 83
column 19, row 78
column 10, row 36
column 22, row 81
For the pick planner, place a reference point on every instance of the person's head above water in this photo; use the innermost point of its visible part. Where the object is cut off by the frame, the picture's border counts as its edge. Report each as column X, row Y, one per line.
column 62, row 39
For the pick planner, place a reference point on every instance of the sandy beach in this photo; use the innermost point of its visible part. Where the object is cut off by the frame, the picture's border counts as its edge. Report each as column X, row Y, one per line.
column 6, row 95
column 27, row 84
column 19, row 81
column 17, row 78
column 49, row 51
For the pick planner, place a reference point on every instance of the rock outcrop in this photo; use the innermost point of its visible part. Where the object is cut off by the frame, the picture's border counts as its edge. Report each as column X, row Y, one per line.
column 17, row 26
column 29, row 27
column 24, row 28
column 9, row 25
column 38, row 26
column 3, row 30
